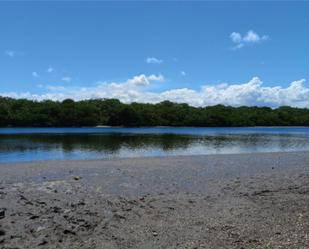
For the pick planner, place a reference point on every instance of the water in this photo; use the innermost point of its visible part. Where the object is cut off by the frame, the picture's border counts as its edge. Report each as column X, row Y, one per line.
column 32, row 144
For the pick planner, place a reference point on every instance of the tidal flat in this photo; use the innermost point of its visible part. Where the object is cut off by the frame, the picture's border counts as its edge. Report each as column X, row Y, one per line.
column 255, row 200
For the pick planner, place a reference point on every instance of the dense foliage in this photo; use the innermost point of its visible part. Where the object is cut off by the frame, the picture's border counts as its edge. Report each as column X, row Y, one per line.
column 23, row 113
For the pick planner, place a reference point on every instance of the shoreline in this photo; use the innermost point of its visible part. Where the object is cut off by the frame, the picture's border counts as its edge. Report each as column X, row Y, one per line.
column 111, row 159
column 157, row 126
column 255, row 200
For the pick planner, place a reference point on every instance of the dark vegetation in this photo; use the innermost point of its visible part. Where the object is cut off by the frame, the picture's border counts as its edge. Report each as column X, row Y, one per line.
column 68, row 113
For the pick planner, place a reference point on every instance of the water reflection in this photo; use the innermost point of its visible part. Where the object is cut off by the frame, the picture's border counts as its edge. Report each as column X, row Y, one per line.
column 28, row 147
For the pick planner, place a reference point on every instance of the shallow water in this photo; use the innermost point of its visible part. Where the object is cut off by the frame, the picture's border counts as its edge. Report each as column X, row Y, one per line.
column 31, row 144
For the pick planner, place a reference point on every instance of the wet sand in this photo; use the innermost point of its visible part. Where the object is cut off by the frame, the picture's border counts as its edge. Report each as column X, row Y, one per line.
column 220, row 201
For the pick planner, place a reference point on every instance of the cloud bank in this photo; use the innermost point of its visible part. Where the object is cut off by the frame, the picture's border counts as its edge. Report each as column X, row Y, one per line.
column 137, row 89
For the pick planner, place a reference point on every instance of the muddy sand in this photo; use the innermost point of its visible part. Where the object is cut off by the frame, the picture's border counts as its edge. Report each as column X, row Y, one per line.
column 222, row 201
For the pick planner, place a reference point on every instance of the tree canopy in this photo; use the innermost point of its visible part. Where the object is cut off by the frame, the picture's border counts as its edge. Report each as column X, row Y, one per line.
column 70, row 113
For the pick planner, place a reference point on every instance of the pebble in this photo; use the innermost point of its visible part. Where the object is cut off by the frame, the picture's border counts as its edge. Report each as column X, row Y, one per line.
column 40, row 228
column 2, row 213
column 77, row 178
column 42, row 243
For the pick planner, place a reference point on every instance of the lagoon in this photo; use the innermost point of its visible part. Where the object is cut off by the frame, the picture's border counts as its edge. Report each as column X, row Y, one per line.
column 36, row 144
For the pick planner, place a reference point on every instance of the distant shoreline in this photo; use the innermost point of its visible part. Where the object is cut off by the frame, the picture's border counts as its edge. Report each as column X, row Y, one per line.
column 145, row 127
column 113, row 112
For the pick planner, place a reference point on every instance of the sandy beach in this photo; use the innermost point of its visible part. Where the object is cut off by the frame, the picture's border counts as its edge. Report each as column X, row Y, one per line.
column 215, row 201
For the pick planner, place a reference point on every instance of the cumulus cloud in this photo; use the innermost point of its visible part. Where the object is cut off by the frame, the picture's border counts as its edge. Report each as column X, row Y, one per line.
column 140, row 80
column 137, row 89
column 153, row 60
column 236, row 37
column 250, row 37
column 154, row 77
column 143, row 80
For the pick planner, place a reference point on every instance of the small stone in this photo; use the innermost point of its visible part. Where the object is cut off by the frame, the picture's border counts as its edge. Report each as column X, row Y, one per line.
column 154, row 233
column 119, row 216
column 68, row 231
column 42, row 243
column 40, row 228
column 33, row 217
column 77, row 178
column 2, row 213
column 81, row 203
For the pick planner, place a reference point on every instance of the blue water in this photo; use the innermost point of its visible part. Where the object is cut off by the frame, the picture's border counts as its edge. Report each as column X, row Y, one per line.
column 32, row 144
column 161, row 130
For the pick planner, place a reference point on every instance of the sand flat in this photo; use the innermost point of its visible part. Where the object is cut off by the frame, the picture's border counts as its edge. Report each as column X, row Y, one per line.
column 216, row 201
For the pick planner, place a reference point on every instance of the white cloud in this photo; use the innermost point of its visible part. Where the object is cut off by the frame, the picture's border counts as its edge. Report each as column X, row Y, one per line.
column 35, row 74
column 250, row 37
column 154, row 77
column 67, row 79
column 137, row 89
column 143, row 80
column 10, row 53
column 140, row 80
column 238, row 46
column 50, row 70
column 236, row 37
column 153, row 60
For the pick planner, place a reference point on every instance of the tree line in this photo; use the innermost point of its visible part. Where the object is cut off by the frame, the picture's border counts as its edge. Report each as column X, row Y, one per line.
column 94, row 112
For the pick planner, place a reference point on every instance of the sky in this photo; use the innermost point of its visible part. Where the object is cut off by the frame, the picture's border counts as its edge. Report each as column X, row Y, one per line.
column 198, row 52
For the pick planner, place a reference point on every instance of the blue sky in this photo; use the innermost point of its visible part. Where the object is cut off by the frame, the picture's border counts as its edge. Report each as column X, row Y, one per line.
column 211, row 52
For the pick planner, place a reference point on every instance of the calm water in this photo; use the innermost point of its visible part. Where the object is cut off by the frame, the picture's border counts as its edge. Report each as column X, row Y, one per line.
column 29, row 144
